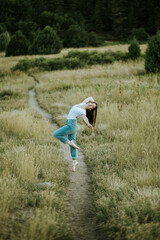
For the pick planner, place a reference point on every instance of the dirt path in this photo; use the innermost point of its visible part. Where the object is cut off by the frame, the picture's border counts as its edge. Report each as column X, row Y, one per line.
column 79, row 196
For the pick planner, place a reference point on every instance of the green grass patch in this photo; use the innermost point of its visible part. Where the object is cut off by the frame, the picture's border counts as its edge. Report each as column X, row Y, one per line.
column 73, row 60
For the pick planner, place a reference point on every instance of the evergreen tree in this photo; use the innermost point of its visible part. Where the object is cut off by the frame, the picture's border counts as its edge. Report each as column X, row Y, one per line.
column 46, row 18
column 108, row 17
column 152, row 59
column 134, row 49
column 18, row 45
column 46, row 42
column 157, row 17
column 93, row 39
column 2, row 28
column 120, row 19
column 99, row 15
column 140, row 34
column 28, row 28
column 4, row 40
column 38, row 6
column 75, row 37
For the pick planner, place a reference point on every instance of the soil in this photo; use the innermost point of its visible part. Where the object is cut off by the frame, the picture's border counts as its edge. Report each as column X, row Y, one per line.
column 80, row 210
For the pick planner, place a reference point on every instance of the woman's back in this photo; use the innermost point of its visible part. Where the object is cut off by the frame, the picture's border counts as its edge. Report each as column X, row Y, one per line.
column 76, row 111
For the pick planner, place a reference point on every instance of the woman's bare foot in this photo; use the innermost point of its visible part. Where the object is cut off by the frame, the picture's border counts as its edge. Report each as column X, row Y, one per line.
column 71, row 143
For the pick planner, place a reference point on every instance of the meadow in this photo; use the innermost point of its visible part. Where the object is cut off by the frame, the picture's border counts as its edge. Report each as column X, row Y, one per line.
column 29, row 155
column 122, row 152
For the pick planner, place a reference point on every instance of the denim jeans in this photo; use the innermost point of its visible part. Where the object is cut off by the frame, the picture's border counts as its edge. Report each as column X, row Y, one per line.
column 70, row 129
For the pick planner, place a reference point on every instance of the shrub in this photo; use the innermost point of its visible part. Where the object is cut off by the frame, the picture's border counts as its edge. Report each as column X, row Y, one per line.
column 107, row 59
column 26, row 64
column 60, row 64
column 18, row 45
column 23, row 65
column 48, row 64
column 75, row 36
column 152, row 58
column 82, row 55
column 99, row 58
column 95, row 57
column 93, row 39
column 4, row 40
column 46, row 42
column 134, row 49
column 140, row 34
column 74, row 59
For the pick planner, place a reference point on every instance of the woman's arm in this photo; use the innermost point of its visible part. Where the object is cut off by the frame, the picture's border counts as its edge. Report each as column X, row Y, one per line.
column 85, row 119
column 89, row 99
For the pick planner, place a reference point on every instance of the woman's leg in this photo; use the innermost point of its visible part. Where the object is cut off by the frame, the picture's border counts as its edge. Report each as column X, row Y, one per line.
column 61, row 132
column 66, row 130
column 73, row 151
column 69, row 129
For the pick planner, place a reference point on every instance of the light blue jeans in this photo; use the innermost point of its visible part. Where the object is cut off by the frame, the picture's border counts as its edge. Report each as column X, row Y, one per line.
column 70, row 129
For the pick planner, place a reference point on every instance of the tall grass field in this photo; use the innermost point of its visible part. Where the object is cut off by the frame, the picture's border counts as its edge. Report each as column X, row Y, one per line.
column 29, row 155
column 122, row 152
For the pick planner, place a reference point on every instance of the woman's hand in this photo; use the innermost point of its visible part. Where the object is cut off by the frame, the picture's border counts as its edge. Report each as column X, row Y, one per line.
column 90, row 126
column 86, row 121
column 89, row 99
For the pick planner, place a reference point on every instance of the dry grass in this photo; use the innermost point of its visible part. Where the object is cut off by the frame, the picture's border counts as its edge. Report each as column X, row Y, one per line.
column 118, row 47
column 29, row 155
column 123, row 151
column 6, row 63
column 23, row 124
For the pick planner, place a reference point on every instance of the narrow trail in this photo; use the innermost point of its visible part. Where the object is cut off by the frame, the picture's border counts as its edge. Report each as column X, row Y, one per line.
column 79, row 195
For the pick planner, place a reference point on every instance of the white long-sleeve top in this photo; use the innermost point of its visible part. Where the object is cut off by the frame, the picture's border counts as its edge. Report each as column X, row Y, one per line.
column 76, row 111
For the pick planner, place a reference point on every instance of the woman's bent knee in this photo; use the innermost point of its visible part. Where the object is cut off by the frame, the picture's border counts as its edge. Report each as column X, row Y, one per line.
column 55, row 134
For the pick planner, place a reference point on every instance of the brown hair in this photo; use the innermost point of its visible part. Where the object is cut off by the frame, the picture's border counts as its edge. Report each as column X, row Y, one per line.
column 91, row 115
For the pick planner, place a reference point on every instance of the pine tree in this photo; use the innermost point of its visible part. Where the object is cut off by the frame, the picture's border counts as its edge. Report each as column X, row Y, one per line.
column 4, row 40
column 120, row 19
column 46, row 42
column 18, row 45
column 152, row 59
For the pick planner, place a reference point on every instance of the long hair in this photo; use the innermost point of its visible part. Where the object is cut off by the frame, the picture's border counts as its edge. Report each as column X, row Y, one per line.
column 91, row 115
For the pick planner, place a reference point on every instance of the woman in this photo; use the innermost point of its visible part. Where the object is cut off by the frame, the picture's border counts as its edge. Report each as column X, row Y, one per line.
column 88, row 111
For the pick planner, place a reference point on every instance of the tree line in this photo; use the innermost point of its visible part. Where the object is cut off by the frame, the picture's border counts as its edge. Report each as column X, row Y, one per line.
column 113, row 19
